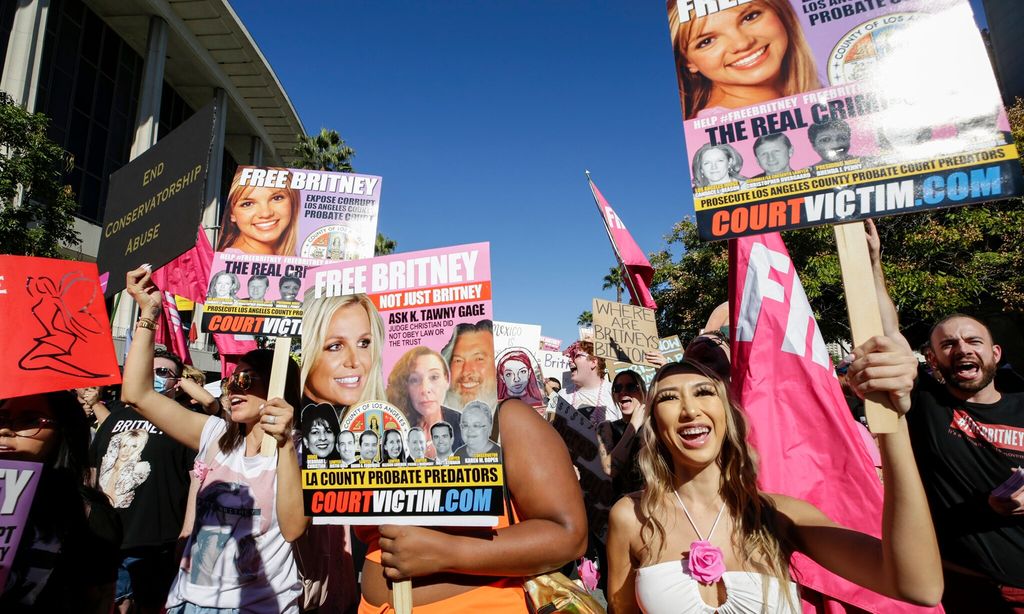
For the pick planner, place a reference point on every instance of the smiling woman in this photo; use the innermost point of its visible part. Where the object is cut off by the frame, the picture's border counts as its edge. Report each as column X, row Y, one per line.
column 260, row 220
column 702, row 528
column 752, row 53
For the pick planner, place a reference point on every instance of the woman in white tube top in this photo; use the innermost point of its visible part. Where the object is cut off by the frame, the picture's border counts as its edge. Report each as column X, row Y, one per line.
column 701, row 538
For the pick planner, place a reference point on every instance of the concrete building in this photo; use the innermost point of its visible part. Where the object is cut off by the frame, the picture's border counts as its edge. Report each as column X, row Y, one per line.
column 115, row 76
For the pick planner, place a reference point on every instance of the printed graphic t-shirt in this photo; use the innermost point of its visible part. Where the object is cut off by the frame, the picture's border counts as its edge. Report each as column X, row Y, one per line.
column 144, row 472
column 965, row 450
column 236, row 556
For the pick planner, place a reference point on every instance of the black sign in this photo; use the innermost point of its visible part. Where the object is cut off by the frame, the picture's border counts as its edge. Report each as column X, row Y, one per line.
column 155, row 203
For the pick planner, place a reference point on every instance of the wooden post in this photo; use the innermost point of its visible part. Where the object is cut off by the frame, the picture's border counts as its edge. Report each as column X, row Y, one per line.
column 862, row 305
column 401, row 596
column 278, row 377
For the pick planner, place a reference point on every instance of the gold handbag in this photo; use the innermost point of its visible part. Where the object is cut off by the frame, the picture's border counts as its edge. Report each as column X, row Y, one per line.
column 553, row 593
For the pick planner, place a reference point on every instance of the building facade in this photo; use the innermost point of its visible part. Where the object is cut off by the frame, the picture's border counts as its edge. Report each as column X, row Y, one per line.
column 115, row 76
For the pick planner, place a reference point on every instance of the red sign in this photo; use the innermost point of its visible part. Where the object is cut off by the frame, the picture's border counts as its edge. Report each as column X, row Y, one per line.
column 54, row 332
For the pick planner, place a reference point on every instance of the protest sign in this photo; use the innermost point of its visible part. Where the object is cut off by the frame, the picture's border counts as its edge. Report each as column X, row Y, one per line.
column 516, row 363
column 509, row 334
column 624, row 332
column 398, row 354
column 865, row 120
column 580, row 437
column 152, row 198
column 670, row 347
column 554, row 364
column 550, row 344
column 277, row 224
column 54, row 334
column 18, row 481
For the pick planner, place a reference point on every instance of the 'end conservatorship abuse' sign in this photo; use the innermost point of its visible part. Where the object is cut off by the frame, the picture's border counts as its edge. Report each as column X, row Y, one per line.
column 837, row 111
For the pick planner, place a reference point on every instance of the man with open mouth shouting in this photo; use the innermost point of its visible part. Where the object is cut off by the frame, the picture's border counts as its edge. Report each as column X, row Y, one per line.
column 968, row 438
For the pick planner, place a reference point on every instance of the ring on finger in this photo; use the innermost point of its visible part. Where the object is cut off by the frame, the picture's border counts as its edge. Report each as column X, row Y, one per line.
column 271, row 419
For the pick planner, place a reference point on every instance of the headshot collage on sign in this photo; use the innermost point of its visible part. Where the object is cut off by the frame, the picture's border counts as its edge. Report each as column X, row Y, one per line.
column 433, row 407
column 806, row 111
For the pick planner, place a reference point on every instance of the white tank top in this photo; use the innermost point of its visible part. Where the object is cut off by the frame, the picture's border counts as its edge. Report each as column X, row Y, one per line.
column 668, row 588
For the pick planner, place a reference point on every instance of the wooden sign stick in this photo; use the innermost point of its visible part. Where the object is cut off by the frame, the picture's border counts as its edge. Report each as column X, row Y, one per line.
column 401, row 596
column 278, row 377
column 862, row 305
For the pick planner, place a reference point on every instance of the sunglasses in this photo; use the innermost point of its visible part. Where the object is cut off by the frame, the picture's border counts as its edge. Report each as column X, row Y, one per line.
column 630, row 387
column 165, row 373
column 26, row 425
column 241, row 380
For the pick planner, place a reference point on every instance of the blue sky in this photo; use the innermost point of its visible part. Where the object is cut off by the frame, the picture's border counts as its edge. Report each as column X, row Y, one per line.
column 482, row 116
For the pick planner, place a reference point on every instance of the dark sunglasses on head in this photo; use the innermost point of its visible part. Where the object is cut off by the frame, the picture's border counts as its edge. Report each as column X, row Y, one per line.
column 165, row 373
column 241, row 380
column 630, row 387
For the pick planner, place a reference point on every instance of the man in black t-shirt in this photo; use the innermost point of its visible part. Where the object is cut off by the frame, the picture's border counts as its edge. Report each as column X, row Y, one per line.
column 145, row 474
column 968, row 438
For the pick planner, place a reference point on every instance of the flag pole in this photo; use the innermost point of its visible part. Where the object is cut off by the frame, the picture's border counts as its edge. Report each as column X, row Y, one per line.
column 623, row 271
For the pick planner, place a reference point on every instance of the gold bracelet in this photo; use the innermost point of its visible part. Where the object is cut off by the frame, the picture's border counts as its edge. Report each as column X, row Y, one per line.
column 146, row 323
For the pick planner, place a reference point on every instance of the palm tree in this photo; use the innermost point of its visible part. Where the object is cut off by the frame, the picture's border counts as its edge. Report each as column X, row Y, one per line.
column 383, row 245
column 586, row 319
column 614, row 280
column 326, row 151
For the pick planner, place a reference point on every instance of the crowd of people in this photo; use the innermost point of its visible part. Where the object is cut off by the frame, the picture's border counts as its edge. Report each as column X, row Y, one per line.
column 167, row 504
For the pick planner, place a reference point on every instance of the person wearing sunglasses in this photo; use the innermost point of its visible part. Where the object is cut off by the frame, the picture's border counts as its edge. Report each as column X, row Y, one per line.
column 68, row 554
column 248, row 506
column 144, row 473
column 618, row 441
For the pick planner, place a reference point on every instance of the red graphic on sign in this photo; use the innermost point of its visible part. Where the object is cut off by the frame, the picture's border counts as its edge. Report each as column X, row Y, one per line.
column 54, row 334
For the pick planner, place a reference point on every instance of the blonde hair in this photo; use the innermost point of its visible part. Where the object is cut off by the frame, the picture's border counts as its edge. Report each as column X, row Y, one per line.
column 316, row 319
column 757, row 534
column 229, row 231
column 398, row 381
column 799, row 73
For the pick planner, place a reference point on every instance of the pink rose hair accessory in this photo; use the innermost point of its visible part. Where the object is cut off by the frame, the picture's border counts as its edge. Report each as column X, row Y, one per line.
column 705, row 562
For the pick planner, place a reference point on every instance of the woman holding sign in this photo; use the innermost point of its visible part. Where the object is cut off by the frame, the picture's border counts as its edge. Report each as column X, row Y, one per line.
column 260, row 220
column 702, row 533
column 249, row 506
column 740, row 56
column 68, row 554
column 463, row 571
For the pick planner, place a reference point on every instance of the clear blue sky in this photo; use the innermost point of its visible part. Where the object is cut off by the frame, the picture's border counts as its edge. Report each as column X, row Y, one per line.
column 482, row 116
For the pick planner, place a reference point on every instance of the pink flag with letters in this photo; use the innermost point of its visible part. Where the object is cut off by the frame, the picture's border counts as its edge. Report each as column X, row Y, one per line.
column 800, row 423
column 637, row 270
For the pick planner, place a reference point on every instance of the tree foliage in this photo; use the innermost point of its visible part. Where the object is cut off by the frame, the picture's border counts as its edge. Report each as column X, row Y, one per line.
column 964, row 259
column 325, row 151
column 613, row 280
column 383, row 245
column 43, row 220
column 586, row 319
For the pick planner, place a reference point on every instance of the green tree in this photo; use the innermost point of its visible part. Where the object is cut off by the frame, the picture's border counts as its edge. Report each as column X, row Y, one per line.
column 586, row 319
column 967, row 259
column 326, row 151
column 613, row 280
column 34, row 166
column 383, row 245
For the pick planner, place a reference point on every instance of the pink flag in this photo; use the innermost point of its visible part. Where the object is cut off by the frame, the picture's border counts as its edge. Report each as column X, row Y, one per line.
column 188, row 274
column 231, row 348
column 170, row 332
column 800, row 423
column 637, row 270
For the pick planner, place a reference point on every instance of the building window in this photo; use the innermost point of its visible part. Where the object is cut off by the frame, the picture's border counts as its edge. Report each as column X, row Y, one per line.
column 89, row 87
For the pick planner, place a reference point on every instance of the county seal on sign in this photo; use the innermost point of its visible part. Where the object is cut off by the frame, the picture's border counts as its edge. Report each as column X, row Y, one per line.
column 857, row 54
column 334, row 242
